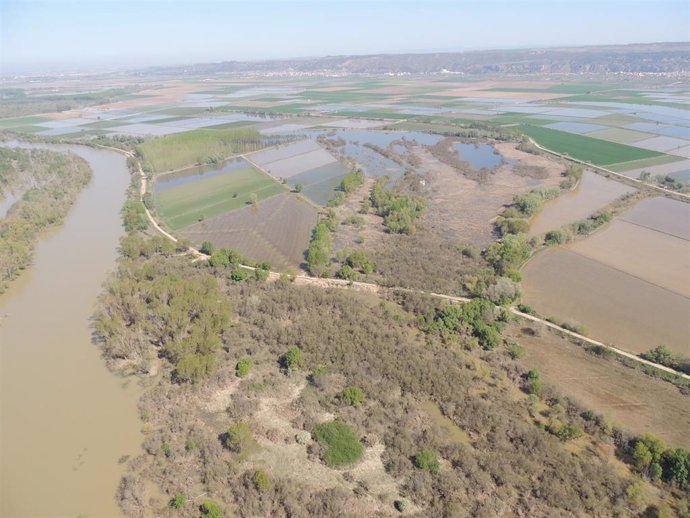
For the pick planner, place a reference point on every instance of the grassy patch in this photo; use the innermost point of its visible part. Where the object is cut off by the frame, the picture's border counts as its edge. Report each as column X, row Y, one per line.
column 598, row 152
column 342, row 444
column 197, row 146
column 186, row 204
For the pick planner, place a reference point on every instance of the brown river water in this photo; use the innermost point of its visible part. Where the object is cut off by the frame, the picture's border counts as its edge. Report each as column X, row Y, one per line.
column 65, row 421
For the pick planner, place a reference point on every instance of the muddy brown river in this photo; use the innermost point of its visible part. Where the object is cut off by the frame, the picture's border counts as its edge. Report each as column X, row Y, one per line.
column 65, row 422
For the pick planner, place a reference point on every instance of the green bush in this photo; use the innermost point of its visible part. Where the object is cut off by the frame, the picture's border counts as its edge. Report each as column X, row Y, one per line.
column 427, row 459
column 243, row 367
column 178, row 502
column 262, row 481
column 207, row 248
column 568, row 432
column 239, row 438
column 353, row 396
column 238, row 274
column 211, row 509
column 341, row 443
column 292, row 359
column 554, row 237
column 219, row 259
column 346, row 272
column 260, row 275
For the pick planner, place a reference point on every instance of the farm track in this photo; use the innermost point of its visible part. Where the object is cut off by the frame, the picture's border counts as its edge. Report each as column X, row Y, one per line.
column 306, row 280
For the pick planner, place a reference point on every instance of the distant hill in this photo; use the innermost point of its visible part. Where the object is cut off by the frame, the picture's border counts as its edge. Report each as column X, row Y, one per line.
column 612, row 59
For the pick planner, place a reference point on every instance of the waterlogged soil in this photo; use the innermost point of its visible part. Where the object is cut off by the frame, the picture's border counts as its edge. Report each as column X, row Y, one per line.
column 616, row 307
column 592, row 193
column 66, row 421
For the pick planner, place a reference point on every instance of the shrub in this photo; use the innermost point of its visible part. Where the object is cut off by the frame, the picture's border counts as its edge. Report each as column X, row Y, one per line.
column 238, row 274
column 535, row 385
column 346, row 272
column 516, row 352
column 509, row 253
column 207, row 248
column 262, row 480
column 514, row 226
column 568, row 432
column 261, row 275
column 178, row 502
column 400, row 505
column 554, row 237
column 353, row 396
column 211, row 509
column 292, row 359
column 358, row 260
column 239, row 438
column 427, row 459
column 243, row 367
column 342, row 446
column 219, row 259
column 504, row 291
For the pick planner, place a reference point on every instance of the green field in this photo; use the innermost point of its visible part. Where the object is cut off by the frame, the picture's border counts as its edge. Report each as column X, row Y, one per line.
column 645, row 162
column 21, row 121
column 196, row 147
column 183, row 205
column 599, row 152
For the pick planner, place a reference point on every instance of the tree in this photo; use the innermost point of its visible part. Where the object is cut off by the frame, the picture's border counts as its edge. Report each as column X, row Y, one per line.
column 298, row 187
column 645, row 176
column 427, row 459
column 509, row 253
column 676, row 463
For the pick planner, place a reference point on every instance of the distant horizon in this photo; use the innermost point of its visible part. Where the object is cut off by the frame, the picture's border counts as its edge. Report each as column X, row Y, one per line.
column 85, row 35
column 84, row 69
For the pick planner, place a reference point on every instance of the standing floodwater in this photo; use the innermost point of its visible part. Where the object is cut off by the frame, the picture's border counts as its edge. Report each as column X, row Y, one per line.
column 66, row 421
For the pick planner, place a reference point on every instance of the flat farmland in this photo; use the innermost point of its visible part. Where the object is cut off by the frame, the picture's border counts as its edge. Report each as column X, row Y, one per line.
column 616, row 307
column 319, row 184
column 185, row 204
column 277, row 230
column 599, row 152
column 631, row 399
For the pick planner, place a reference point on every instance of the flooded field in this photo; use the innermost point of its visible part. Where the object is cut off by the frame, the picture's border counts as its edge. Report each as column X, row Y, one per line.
column 593, row 192
column 66, row 420
column 655, row 257
column 616, row 307
column 663, row 215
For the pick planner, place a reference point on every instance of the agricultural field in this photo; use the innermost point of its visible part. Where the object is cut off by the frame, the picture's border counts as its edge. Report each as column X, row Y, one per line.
column 599, row 152
column 277, row 230
column 209, row 195
column 605, row 386
column 197, row 147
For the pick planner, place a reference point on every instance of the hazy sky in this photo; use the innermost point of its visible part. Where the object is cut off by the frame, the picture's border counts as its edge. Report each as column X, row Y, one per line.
column 106, row 33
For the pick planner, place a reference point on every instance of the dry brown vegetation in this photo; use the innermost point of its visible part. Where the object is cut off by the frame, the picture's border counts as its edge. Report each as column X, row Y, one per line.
column 504, row 464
